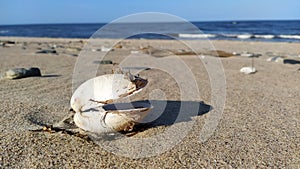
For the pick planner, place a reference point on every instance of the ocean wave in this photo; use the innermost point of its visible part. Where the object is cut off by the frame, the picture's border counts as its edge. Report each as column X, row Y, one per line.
column 182, row 35
column 264, row 36
column 239, row 36
column 245, row 36
column 248, row 36
column 289, row 36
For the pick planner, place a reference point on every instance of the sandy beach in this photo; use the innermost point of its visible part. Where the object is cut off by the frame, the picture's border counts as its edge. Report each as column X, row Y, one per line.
column 259, row 127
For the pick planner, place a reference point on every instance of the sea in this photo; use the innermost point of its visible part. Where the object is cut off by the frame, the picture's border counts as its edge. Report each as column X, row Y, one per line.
column 274, row 31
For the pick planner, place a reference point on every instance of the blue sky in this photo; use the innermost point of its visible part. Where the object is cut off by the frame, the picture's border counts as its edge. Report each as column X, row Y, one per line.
column 95, row 11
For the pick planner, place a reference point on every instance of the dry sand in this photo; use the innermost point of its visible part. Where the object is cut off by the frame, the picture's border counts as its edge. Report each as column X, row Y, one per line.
column 259, row 128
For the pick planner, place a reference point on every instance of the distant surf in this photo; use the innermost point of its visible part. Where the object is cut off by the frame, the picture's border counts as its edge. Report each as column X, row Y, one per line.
column 286, row 31
column 235, row 36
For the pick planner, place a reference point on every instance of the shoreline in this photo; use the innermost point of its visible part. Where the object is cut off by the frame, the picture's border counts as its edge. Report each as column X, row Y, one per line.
column 277, row 48
column 204, row 39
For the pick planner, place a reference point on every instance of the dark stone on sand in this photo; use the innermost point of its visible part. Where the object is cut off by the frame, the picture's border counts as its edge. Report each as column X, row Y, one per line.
column 8, row 43
column 47, row 51
column 136, row 68
column 104, row 62
column 291, row 61
column 18, row 73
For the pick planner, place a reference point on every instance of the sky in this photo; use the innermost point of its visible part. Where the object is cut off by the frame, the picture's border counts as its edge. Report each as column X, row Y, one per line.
column 97, row 11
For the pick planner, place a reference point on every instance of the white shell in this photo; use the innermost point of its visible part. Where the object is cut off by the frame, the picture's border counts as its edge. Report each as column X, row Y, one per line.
column 248, row 70
column 94, row 114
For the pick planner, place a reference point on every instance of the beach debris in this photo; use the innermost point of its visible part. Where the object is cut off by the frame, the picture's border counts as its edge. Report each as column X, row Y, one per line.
column 248, row 70
column 118, row 46
column 291, row 61
column 8, row 43
column 136, row 68
column 18, row 73
column 217, row 53
column 156, row 52
column 246, row 54
column 64, row 129
column 52, row 46
column 105, row 49
column 223, row 53
column 96, row 103
column 104, row 62
column 282, row 59
column 278, row 59
column 47, row 51
column 134, row 52
column 184, row 52
column 235, row 53
column 73, row 49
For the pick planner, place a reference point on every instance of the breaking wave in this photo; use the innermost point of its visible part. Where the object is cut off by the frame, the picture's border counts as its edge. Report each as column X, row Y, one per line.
column 238, row 36
column 196, row 35
column 289, row 36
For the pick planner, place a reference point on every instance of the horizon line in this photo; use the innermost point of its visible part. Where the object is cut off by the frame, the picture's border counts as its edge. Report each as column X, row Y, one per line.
column 74, row 23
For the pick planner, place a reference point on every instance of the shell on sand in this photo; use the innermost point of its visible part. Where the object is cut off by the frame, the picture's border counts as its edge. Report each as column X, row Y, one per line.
column 92, row 102
column 248, row 70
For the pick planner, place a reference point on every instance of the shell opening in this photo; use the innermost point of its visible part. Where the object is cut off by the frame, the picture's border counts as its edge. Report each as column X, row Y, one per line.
column 127, row 106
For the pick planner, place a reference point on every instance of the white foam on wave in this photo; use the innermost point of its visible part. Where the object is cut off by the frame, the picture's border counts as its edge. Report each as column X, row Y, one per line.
column 182, row 35
column 230, row 35
column 239, row 36
column 265, row 36
column 289, row 36
column 248, row 36
column 245, row 36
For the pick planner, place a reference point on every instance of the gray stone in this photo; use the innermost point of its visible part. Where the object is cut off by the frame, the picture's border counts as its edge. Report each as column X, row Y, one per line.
column 47, row 51
column 278, row 59
column 291, row 61
column 8, row 43
column 104, row 62
column 18, row 73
